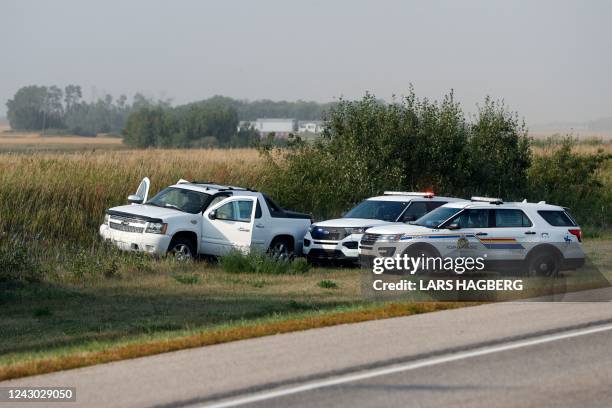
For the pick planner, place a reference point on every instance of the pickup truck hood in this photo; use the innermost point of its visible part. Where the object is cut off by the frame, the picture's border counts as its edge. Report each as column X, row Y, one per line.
column 399, row 228
column 351, row 223
column 147, row 211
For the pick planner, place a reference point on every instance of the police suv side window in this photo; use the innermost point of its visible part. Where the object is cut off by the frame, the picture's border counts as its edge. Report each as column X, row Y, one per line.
column 508, row 218
column 432, row 205
column 557, row 218
column 472, row 218
column 415, row 210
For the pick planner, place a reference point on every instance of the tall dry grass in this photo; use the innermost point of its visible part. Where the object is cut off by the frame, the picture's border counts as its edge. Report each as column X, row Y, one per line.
column 63, row 196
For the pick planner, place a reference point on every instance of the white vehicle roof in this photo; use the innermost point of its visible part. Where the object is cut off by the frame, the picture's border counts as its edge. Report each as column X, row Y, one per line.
column 523, row 205
column 211, row 188
column 411, row 196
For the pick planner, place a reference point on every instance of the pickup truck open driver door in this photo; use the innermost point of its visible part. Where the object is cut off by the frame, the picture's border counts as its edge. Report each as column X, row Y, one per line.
column 228, row 225
column 142, row 192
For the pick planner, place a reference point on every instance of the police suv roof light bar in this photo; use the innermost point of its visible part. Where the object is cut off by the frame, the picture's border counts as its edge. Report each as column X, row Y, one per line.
column 489, row 200
column 410, row 193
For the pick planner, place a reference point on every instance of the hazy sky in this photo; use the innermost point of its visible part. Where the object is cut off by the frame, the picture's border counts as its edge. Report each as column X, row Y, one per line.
column 549, row 60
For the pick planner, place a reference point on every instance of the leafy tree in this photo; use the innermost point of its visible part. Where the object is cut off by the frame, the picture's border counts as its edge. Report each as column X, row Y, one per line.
column 566, row 178
column 36, row 108
column 499, row 152
column 369, row 146
column 149, row 126
column 201, row 124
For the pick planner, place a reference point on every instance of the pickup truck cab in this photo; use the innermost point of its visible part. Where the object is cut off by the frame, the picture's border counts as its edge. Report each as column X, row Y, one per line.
column 338, row 239
column 190, row 218
column 536, row 239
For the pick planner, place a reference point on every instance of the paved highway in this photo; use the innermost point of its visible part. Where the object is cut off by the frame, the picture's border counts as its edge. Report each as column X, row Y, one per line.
column 507, row 354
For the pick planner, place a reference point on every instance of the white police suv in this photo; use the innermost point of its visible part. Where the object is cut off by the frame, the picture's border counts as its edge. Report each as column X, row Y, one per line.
column 538, row 239
column 339, row 238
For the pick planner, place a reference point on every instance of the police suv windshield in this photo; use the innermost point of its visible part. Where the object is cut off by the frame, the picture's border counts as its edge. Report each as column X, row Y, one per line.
column 378, row 210
column 436, row 217
column 180, row 199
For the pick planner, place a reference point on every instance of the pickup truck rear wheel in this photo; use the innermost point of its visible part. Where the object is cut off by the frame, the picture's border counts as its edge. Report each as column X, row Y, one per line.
column 281, row 249
column 181, row 249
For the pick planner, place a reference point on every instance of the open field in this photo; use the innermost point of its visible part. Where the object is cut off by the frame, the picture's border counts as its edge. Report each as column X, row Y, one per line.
column 64, row 195
column 588, row 142
column 34, row 141
column 581, row 135
column 168, row 306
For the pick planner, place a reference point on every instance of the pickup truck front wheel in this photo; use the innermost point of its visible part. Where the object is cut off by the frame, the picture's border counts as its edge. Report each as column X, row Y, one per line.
column 281, row 249
column 181, row 249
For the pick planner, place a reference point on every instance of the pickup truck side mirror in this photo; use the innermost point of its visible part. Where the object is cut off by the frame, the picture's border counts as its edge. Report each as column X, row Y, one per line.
column 135, row 199
column 212, row 215
column 454, row 226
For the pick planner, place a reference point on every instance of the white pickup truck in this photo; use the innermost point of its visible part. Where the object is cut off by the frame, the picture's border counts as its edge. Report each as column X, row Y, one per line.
column 190, row 218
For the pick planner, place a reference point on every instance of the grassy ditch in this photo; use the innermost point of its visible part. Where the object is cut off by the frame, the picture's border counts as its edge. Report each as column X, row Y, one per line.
column 103, row 352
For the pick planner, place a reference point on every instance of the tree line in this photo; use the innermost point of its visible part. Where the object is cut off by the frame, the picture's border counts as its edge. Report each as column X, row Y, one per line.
column 149, row 123
column 52, row 109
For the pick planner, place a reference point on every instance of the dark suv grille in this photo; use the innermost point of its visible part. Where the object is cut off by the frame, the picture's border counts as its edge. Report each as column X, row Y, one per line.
column 369, row 239
column 329, row 233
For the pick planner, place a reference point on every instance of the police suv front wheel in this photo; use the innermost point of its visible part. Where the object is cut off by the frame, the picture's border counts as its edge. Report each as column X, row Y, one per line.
column 543, row 264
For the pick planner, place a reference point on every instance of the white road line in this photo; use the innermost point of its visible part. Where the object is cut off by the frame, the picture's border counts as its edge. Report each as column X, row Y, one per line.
column 377, row 372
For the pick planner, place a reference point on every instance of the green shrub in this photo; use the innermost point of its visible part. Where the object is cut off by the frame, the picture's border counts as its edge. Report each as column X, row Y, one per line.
column 327, row 284
column 18, row 263
column 413, row 144
column 566, row 178
column 43, row 311
column 261, row 263
column 299, row 266
column 187, row 278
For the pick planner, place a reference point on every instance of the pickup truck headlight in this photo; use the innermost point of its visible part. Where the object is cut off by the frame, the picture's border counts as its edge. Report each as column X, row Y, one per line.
column 106, row 219
column 390, row 237
column 157, row 228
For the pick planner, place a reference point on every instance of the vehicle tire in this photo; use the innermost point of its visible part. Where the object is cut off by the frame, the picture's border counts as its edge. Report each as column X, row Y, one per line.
column 181, row 249
column 281, row 249
column 544, row 263
column 418, row 252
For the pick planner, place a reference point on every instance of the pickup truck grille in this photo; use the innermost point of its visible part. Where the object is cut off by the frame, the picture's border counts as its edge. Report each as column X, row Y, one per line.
column 132, row 220
column 369, row 239
column 329, row 233
column 126, row 227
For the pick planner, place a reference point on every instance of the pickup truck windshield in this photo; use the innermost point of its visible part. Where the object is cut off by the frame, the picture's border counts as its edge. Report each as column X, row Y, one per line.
column 378, row 210
column 436, row 217
column 180, row 199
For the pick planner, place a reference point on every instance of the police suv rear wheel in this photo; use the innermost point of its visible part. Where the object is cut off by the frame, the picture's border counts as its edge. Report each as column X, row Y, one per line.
column 543, row 264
